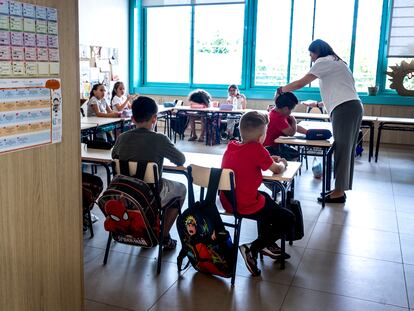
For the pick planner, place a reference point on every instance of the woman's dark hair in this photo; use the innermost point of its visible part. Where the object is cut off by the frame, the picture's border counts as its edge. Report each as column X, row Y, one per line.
column 200, row 97
column 233, row 86
column 116, row 86
column 322, row 49
column 94, row 88
column 287, row 99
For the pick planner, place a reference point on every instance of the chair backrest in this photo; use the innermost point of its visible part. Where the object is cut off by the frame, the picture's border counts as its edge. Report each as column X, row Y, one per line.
column 83, row 106
column 151, row 171
column 179, row 102
column 201, row 176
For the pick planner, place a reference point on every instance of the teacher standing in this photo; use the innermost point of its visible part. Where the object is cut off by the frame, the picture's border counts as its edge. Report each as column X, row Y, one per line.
column 337, row 87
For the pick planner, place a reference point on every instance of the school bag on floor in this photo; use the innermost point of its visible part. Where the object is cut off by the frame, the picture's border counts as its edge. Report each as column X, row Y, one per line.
column 92, row 187
column 131, row 211
column 298, row 231
column 196, row 227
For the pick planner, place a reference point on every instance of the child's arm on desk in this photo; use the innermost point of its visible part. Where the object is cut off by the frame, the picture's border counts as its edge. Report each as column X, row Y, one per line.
column 291, row 130
column 278, row 167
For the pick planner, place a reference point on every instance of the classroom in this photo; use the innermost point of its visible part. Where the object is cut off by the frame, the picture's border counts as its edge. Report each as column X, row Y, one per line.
column 207, row 155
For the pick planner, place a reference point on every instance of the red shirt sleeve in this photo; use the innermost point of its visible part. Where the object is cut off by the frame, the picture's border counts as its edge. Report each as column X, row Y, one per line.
column 263, row 157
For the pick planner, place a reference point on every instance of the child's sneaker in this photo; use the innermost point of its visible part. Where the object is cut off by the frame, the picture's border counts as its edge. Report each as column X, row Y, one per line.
column 250, row 261
column 274, row 252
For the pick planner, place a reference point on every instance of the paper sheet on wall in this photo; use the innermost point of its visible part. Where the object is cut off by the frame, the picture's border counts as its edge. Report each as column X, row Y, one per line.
column 30, row 113
column 28, row 36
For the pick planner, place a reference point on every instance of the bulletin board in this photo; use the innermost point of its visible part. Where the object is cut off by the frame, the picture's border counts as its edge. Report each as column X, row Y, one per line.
column 98, row 65
column 30, row 90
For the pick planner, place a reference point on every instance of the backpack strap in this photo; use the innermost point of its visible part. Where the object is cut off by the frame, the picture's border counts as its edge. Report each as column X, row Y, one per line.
column 180, row 259
column 140, row 172
column 213, row 184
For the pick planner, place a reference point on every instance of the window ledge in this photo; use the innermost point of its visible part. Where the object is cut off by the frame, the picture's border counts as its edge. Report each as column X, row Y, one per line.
column 267, row 94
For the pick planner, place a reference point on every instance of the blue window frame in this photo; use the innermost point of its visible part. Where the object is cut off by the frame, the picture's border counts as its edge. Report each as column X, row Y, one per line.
column 189, row 41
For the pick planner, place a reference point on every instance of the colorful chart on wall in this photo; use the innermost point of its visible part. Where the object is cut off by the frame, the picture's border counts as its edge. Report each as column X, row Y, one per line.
column 30, row 113
column 30, row 91
column 29, row 42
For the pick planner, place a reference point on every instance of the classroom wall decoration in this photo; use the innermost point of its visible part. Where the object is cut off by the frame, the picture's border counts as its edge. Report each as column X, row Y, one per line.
column 30, row 95
column 98, row 65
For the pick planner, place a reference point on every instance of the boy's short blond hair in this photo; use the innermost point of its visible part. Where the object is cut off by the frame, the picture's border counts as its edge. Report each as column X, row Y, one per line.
column 253, row 125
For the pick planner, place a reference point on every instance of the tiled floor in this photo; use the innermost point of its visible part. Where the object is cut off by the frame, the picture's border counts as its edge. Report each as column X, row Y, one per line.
column 357, row 256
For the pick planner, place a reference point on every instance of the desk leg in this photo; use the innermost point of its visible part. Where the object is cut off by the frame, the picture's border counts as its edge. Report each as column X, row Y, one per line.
column 108, row 174
column 324, row 171
column 378, row 142
column 371, row 141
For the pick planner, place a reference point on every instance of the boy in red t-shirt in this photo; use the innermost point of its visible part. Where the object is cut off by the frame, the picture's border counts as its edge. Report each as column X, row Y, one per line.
column 247, row 159
column 282, row 123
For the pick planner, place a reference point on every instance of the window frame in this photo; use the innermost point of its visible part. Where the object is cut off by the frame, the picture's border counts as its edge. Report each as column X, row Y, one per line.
column 138, row 69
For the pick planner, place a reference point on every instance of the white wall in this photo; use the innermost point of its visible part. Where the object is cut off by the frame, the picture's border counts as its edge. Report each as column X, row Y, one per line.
column 105, row 23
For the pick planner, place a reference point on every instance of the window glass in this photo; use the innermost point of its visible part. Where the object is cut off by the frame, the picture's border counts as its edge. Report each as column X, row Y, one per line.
column 168, row 44
column 272, row 42
column 218, row 44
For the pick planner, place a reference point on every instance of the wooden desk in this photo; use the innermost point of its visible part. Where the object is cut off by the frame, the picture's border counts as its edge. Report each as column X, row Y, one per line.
column 392, row 124
column 281, row 181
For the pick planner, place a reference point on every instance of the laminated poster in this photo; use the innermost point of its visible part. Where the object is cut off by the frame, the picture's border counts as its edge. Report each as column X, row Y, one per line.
column 29, row 10
column 16, row 23
column 42, row 54
column 29, row 39
column 41, row 26
column 17, row 53
column 16, row 38
column 4, row 7
column 41, row 12
column 30, row 113
column 4, row 37
column 30, row 54
column 29, row 25
column 16, row 8
column 41, row 40
column 5, row 53
column 4, row 22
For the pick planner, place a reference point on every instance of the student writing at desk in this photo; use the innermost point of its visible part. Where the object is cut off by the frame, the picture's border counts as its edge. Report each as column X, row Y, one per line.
column 282, row 123
column 143, row 144
column 198, row 99
column 247, row 159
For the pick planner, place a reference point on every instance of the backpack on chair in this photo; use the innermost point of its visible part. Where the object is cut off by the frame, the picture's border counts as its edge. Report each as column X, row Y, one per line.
column 131, row 210
column 207, row 249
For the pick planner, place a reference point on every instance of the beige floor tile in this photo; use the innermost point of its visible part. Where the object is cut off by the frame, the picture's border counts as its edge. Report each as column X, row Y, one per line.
column 300, row 299
column 340, row 214
column 356, row 277
column 358, row 198
column 195, row 291
column 356, row 241
column 404, row 203
column 405, row 222
column 270, row 268
column 127, row 281
column 409, row 275
column 407, row 248
column 97, row 306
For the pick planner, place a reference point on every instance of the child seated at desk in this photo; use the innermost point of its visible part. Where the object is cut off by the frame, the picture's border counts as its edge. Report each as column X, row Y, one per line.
column 121, row 102
column 97, row 105
column 238, row 101
column 247, row 159
column 143, row 144
column 282, row 123
column 198, row 98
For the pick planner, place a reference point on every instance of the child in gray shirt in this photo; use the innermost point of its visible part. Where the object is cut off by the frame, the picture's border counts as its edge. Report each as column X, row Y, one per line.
column 143, row 144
